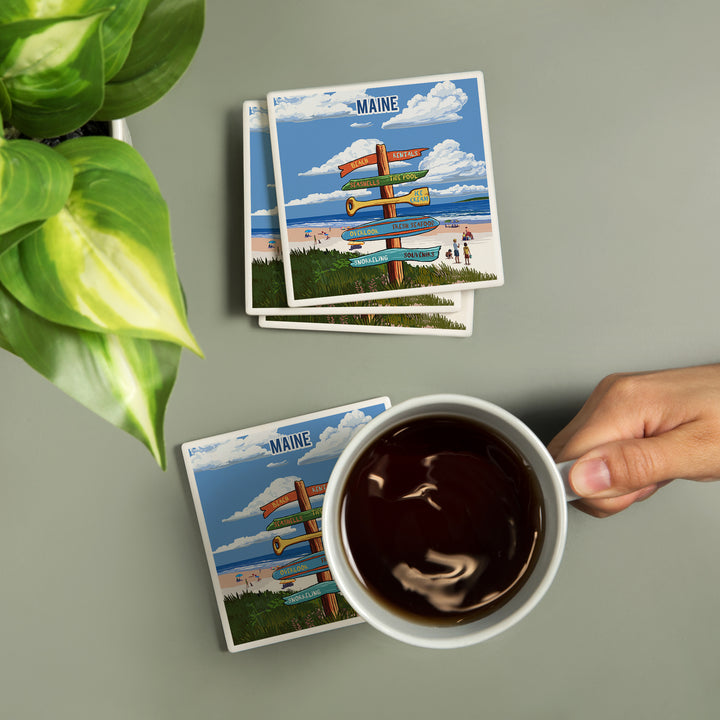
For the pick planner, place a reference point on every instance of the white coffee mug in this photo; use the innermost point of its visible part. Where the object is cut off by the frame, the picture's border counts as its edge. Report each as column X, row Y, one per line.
column 555, row 490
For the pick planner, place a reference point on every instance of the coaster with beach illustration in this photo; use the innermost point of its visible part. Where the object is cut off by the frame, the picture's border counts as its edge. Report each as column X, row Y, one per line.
column 384, row 190
column 258, row 495
column 265, row 292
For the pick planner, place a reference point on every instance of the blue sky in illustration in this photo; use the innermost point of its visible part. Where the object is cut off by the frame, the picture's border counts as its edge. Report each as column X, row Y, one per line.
column 318, row 131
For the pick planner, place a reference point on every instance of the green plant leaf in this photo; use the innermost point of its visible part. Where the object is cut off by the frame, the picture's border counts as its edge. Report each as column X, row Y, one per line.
column 13, row 237
column 35, row 182
column 163, row 46
column 4, row 342
column 117, row 31
column 105, row 261
column 125, row 380
column 5, row 105
column 53, row 72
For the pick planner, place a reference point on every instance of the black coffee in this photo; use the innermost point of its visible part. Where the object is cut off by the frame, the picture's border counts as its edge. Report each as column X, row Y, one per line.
column 444, row 519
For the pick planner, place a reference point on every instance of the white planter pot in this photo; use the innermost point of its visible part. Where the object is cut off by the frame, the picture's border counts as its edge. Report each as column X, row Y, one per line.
column 120, row 131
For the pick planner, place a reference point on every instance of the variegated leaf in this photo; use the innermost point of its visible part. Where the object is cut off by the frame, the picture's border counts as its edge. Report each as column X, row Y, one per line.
column 53, row 73
column 105, row 261
column 35, row 182
column 125, row 380
column 117, row 30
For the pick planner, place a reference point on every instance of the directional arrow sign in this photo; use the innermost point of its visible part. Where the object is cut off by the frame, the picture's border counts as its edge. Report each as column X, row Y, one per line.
column 390, row 228
column 378, row 180
column 307, row 566
column 294, row 519
column 314, row 591
column 392, row 156
column 417, row 197
column 279, row 544
column 291, row 497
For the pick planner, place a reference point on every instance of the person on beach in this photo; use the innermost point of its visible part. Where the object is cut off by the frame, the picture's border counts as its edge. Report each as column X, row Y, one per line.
column 466, row 253
column 467, row 235
column 639, row 431
column 456, row 251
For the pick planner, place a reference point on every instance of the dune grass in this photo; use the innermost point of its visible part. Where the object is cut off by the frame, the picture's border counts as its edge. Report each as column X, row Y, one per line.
column 256, row 616
column 269, row 291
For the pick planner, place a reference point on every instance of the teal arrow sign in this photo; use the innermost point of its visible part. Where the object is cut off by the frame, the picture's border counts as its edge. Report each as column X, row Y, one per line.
column 314, row 591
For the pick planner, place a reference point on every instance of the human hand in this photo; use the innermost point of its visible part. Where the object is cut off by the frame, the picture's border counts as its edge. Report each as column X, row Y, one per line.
column 637, row 432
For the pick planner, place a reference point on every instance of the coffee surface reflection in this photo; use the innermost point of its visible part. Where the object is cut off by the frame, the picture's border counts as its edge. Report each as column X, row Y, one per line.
column 443, row 519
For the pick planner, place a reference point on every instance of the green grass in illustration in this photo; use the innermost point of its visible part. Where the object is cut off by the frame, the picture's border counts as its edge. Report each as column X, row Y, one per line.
column 325, row 273
column 256, row 616
column 269, row 290
column 268, row 284
column 434, row 320
column 320, row 273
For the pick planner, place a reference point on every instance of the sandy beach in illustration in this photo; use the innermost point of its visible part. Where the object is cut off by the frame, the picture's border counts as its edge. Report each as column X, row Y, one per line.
column 257, row 580
column 329, row 238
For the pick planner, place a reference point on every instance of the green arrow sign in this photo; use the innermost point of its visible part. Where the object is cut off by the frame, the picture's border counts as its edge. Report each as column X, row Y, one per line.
column 294, row 519
column 379, row 180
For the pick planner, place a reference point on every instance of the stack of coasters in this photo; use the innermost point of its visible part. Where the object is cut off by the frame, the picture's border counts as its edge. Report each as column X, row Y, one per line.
column 370, row 208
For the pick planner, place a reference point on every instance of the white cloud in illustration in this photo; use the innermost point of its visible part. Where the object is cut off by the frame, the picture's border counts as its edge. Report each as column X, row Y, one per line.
column 265, row 213
column 365, row 124
column 227, row 452
column 258, row 119
column 317, row 198
column 441, row 105
column 278, row 487
column 447, row 162
column 320, row 105
column 359, row 148
column 261, row 537
column 459, row 191
column 332, row 440
column 231, row 449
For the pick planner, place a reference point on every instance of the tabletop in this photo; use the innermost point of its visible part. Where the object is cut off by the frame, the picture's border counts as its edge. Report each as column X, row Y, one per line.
column 603, row 122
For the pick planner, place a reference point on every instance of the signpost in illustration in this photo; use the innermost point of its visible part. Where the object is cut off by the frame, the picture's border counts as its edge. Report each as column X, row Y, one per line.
column 419, row 196
column 391, row 228
column 392, row 156
column 325, row 589
column 385, row 180
column 294, row 519
column 317, row 562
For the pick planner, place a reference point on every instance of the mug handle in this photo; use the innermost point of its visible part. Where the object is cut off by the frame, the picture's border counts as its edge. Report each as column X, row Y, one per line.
column 564, row 470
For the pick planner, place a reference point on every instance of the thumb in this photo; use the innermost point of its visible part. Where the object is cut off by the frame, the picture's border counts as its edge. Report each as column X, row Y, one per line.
column 625, row 466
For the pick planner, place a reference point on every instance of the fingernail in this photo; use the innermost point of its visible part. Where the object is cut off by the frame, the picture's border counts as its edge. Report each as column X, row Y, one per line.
column 590, row 477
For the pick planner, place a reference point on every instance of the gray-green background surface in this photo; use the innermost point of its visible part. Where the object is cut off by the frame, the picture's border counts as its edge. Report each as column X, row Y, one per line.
column 604, row 124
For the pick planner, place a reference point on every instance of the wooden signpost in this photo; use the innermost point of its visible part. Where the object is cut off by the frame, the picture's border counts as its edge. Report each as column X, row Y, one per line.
column 325, row 588
column 385, row 181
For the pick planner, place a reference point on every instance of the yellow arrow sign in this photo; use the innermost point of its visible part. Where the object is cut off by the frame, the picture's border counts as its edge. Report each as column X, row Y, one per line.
column 279, row 544
column 419, row 196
